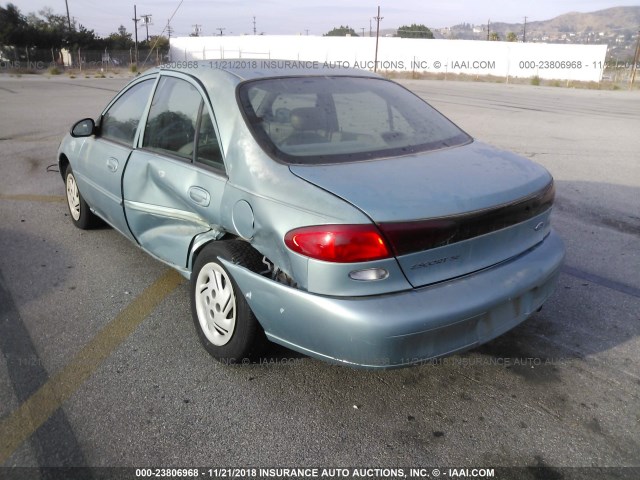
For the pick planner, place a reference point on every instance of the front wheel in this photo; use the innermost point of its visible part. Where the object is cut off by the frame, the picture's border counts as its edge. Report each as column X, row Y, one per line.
column 81, row 216
column 225, row 324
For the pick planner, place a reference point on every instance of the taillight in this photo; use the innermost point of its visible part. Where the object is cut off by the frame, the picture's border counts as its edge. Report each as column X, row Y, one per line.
column 410, row 237
column 338, row 243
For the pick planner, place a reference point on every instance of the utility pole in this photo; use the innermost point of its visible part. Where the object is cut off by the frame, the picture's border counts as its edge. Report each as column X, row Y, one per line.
column 221, row 30
column 196, row 30
column 135, row 23
column 377, row 19
column 488, row 28
column 146, row 20
column 68, row 17
column 169, row 32
column 370, row 33
column 524, row 31
column 254, row 26
column 306, row 30
column 636, row 58
column 362, row 28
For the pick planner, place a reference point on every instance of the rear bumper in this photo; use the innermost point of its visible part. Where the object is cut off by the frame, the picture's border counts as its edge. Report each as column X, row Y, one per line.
column 405, row 328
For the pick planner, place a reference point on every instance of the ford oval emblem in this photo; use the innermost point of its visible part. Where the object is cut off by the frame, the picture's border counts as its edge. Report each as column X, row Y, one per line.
column 538, row 226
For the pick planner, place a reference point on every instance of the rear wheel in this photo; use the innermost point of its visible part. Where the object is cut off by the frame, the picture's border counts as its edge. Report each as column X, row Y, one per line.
column 225, row 324
column 81, row 215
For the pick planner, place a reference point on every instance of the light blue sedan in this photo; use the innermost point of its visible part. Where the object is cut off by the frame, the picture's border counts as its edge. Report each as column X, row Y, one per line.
column 328, row 210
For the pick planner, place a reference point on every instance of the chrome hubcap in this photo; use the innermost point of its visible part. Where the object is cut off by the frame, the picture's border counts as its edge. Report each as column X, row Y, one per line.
column 73, row 197
column 215, row 304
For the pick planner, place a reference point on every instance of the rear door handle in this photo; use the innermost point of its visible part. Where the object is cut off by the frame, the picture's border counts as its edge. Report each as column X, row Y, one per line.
column 199, row 196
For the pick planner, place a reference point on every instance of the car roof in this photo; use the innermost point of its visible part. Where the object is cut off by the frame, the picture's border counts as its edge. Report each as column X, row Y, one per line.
column 254, row 68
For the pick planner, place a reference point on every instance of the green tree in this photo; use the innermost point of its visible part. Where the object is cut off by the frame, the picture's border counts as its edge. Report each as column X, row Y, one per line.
column 40, row 36
column 341, row 32
column 47, row 20
column 155, row 41
column 14, row 30
column 120, row 40
column 512, row 37
column 494, row 37
column 48, row 30
column 414, row 31
column 85, row 39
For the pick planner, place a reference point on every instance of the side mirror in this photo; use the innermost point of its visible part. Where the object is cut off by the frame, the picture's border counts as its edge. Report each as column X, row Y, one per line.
column 84, row 128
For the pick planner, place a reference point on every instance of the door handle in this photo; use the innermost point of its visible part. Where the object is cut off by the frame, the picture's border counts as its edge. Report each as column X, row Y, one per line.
column 199, row 196
column 112, row 164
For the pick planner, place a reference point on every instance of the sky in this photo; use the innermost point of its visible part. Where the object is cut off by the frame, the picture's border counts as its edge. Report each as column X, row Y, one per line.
column 312, row 17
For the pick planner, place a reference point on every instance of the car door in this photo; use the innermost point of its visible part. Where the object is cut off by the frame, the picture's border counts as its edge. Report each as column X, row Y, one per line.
column 100, row 165
column 173, row 184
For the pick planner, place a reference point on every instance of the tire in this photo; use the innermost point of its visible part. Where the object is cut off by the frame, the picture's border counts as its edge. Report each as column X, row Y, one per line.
column 226, row 326
column 79, row 211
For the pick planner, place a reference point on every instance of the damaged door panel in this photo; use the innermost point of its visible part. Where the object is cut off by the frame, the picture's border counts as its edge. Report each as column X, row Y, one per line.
column 161, row 211
column 167, row 200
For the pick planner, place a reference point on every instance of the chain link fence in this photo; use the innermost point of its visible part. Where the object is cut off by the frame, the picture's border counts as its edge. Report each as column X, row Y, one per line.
column 31, row 59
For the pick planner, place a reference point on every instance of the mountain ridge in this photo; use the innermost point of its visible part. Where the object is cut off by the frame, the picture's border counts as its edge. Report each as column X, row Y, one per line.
column 610, row 20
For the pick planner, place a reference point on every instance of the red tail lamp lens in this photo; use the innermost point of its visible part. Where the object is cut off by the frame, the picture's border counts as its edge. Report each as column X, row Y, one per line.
column 338, row 243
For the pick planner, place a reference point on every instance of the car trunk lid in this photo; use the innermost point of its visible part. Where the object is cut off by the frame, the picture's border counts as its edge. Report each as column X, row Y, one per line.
column 446, row 213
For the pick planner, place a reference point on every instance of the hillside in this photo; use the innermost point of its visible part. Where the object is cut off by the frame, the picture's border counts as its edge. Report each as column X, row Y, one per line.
column 616, row 19
column 616, row 27
column 611, row 19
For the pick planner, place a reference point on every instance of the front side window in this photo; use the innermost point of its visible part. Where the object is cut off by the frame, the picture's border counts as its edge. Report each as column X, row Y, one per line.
column 341, row 119
column 120, row 122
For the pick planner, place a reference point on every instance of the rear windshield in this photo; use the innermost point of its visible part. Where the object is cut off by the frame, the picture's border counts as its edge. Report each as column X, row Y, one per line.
column 313, row 120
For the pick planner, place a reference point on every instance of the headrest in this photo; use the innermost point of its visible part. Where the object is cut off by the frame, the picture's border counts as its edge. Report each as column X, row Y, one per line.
column 309, row 118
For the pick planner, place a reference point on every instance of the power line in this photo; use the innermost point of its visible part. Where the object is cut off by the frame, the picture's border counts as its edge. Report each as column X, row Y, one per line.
column 168, row 27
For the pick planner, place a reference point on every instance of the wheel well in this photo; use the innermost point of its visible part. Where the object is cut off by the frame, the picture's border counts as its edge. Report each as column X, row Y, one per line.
column 194, row 256
column 263, row 267
column 63, row 163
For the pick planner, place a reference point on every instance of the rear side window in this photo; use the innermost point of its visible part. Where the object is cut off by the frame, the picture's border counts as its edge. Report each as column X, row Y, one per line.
column 179, row 124
column 341, row 119
column 120, row 122
column 207, row 148
column 173, row 117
